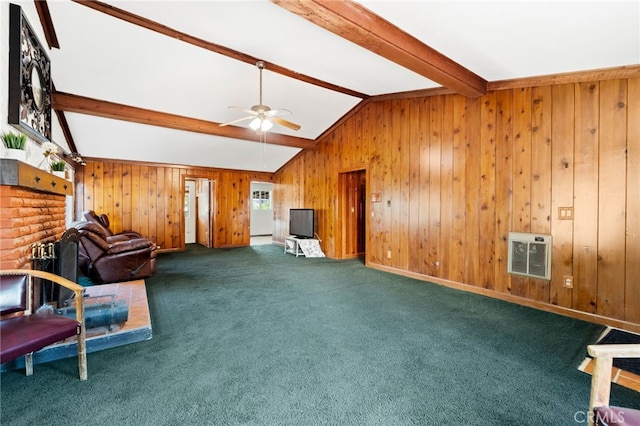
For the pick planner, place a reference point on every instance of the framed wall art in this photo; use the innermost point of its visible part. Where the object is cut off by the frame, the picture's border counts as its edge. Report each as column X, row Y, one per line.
column 29, row 79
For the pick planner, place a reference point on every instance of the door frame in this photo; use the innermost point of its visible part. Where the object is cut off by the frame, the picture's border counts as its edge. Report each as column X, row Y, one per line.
column 212, row 192
column 342, row 213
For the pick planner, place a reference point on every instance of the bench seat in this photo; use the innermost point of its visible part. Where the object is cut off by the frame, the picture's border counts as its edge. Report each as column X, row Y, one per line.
column 22, row 335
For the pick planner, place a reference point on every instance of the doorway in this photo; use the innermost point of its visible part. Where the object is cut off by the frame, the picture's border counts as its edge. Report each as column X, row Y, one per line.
column 189, row 212
column 261, row 228
column 198, row 211
column 352, row 195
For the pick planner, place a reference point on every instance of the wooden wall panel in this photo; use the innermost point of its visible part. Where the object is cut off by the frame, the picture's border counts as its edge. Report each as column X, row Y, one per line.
column 446, row 189
column 521, row 172
column 116, row 178
column 153, row 204
column 540, row 176
column 456, row 257
column 435, row 185
column 632, row 240
column 562, row 167
column 504, row 193
column 148, row 198
column 472, row 230
column 611, row 198
column 127, row 203
column 461, row 173
column 414, row 225
column 486, row 200
column 402, row 134
column 585, row 242
column 424, row 124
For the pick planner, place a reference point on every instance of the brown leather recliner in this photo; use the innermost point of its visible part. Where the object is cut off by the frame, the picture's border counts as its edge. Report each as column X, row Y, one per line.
column 103, row 221
column 106, row 261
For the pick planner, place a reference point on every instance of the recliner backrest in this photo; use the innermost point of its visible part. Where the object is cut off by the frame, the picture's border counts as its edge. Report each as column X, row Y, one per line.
column 102, row 221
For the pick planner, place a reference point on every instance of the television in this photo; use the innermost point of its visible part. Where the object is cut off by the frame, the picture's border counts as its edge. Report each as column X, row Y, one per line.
column 301, row 223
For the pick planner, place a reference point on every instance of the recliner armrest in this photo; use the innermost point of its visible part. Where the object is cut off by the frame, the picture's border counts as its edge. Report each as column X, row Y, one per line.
column 129, row 245
column 96, row 239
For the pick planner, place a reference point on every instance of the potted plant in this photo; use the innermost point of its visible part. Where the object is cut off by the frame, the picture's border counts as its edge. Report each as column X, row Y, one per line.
column 15, row 145
column 58, row 167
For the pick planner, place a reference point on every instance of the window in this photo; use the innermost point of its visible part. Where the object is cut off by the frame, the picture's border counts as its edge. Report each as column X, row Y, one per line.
column 261, row 200
column 187, row 212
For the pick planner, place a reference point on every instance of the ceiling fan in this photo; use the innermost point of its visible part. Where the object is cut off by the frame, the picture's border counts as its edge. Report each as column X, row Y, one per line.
column 261, row 115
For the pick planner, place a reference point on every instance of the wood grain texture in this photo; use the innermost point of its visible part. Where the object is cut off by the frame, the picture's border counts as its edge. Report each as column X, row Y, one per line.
column 612, row 198
column 148, row 198
column 632, row 240
column 458, row 174
column 461, row 173
column 585, row 238
column 562, row 168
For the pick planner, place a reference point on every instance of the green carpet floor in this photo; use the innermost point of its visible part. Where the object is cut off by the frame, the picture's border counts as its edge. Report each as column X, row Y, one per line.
column 252, row 336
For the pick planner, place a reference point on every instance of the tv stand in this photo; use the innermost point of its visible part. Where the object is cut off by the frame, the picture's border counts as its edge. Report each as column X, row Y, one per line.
column 292, row 246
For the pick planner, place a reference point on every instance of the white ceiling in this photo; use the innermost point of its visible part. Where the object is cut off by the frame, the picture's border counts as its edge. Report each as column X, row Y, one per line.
column 106, row 58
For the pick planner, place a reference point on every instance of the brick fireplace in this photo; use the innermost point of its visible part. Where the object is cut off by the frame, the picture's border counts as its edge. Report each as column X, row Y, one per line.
column 32, row 210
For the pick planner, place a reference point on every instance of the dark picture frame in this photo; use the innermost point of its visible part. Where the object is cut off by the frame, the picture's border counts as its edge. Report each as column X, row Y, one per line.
column 29, row 79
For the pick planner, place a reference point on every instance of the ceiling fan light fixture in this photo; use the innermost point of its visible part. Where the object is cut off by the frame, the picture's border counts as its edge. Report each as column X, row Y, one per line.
column 262, row 117
column 261, row 124
column 266, row 125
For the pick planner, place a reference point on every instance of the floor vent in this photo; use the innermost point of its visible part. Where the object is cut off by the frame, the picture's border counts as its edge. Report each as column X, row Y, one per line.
column 530, row 255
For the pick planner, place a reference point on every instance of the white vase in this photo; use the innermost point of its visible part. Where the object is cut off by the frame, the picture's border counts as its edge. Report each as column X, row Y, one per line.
column 61, row 174
column 15, row 154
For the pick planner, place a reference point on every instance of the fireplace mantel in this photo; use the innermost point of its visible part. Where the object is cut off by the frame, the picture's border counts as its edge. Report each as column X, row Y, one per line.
column 32, row 210
column 17, row 173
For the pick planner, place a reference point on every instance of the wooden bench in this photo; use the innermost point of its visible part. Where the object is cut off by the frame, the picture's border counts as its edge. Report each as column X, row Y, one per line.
column 23, row 332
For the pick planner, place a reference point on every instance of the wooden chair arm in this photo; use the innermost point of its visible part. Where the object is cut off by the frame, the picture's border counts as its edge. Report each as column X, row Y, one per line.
column 79, row 301
column 603, row 363
column 46, row 276
column 614, row 351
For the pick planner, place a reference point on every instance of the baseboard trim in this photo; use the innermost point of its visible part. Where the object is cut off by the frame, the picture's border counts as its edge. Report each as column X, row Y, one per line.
column 573, row 313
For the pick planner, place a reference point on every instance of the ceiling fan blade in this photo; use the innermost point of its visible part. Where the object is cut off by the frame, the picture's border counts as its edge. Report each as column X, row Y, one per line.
column 279, row 111
column 263, row 113
column 248, row 111
column 286, row 123
column 237, row 121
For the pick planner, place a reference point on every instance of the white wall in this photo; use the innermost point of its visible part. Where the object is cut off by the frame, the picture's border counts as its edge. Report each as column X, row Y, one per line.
column 262, row 220
column 34, row 151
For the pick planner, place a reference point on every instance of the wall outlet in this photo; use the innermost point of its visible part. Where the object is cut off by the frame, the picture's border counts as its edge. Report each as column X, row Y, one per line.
column 388, row 254
column 565, row 213
column 568, row 281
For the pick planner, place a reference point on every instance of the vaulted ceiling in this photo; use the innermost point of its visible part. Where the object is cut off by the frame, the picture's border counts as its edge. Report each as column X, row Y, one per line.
column 152, row 81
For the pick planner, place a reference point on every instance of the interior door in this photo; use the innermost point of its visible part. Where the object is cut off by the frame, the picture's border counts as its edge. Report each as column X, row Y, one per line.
column 353, row 214
column 203, row 207
column 189, row 212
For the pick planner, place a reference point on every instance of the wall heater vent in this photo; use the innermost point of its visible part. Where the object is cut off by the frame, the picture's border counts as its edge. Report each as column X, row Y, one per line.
column 530, row 255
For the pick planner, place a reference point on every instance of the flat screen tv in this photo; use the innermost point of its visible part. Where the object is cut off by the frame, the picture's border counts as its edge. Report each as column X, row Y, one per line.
column 301, row 223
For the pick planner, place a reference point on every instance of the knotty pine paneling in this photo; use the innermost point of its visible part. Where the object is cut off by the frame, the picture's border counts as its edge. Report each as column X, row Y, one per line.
column 632, row 260
column 562, row 170
column 148, row 198
column 456, row 175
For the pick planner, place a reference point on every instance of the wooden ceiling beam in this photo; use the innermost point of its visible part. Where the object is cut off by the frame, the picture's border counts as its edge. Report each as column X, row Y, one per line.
column 359, row 25
column 222, row 50
column 47, row 24
column 79, row 104
column 66, row 131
